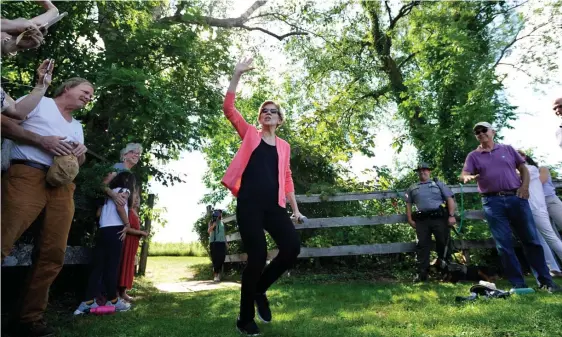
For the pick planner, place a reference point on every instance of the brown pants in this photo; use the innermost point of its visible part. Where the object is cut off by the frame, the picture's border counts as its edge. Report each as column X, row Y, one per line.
column 25, row 194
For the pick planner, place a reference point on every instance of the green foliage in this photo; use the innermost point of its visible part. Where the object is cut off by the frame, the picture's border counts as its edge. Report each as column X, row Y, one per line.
column 177, row 249
column 155, row 84
column 428, row 67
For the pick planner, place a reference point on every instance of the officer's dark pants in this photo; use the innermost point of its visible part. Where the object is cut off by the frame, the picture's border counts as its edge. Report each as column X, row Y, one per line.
column 424, row 228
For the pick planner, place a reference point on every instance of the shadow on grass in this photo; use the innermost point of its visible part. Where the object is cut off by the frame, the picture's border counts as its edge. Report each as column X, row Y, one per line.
column 346, row 309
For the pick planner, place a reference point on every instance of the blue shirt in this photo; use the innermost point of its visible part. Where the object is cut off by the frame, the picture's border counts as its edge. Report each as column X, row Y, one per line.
column 120, row 167
column 429, row 195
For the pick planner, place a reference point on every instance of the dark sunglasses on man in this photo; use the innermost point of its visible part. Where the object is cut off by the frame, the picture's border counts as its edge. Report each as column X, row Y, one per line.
column 480, row 130
column 556, row 107
column 265, row 110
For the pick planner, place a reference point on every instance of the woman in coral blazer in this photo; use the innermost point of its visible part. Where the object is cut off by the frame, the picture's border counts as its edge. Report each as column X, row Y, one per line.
column 260, row 178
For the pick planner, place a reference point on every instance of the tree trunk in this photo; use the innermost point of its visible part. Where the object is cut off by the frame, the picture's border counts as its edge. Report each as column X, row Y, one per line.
column 146, row 241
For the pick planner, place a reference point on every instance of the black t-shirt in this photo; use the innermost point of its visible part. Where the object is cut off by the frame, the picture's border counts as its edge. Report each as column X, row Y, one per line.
column 260, row 178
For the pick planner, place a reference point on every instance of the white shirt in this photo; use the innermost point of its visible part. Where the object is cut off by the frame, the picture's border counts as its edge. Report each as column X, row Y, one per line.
column 559, row 135
column 46, row 120
column 109, row 216
column 536, row 193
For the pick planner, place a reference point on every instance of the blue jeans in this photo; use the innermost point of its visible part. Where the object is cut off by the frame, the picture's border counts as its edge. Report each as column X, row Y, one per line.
column 503, row 211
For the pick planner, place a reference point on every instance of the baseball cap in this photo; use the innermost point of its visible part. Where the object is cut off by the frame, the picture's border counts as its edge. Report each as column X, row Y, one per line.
column 423, row 165
column 63, row 171
column 483, row 124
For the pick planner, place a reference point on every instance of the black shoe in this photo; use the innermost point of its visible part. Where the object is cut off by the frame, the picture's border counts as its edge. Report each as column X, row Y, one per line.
column 33, row 329
column 248, row 329
column 264, row 313
column 553, row 288
column 420, row 278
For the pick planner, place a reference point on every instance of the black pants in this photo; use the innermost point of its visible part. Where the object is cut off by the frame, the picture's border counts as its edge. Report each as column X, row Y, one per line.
column 424, row 228
column 105, row 262
column 252, row 220
column 218, row 253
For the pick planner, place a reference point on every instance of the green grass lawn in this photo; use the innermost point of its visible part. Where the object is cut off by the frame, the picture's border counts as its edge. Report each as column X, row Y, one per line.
column 167, row 269
column 311, row 306
column 176, row 249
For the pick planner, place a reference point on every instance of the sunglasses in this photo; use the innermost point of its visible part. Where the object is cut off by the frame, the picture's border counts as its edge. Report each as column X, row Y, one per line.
column 556, row 107
column 265, row 110
column 479, row 131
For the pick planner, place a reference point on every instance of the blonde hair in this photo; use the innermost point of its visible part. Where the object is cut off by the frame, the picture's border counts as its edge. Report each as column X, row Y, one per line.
column 71, row 83
column 280, row 113
column 130, row 147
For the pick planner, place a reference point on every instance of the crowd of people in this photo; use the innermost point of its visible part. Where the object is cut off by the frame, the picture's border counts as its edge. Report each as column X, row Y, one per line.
column 42, row 152
column 260, row 178
column 48, row 149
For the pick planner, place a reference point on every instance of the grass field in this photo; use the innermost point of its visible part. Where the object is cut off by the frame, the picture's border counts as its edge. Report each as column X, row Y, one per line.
column 176, row 249
column 304, row 306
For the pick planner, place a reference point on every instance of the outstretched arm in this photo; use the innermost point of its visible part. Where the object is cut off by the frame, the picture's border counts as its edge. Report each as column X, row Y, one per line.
column 230, row 111
column 24, row 106
column 51, row 13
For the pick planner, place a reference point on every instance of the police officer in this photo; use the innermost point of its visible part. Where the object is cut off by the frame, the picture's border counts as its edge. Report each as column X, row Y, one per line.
column 435, row 215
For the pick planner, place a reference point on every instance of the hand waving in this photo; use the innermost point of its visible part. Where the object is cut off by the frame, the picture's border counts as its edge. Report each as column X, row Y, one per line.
column 244, row 66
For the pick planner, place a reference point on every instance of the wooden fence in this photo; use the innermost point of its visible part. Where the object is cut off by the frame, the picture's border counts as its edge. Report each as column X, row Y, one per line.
column 22, row 254
column 368, row 249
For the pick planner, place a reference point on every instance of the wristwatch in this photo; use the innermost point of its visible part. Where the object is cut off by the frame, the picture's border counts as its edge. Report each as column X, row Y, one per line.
column 451, row 215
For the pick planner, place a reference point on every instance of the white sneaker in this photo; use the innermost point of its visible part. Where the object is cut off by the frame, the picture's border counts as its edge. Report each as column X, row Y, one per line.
column 217, row 278
column 120, row 305
column 84, row 308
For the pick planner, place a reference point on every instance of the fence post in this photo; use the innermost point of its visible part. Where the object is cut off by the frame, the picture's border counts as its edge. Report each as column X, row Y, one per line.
column 145, row 242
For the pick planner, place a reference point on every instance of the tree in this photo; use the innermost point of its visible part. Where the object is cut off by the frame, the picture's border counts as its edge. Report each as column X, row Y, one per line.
column 155, row 83
column 434, row 63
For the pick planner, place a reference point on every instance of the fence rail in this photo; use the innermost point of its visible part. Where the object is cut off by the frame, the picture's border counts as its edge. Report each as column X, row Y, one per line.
column 370, row 249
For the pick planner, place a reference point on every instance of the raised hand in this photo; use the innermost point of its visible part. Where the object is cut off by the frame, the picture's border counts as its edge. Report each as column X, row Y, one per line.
column 45, row 72
column 244, row 66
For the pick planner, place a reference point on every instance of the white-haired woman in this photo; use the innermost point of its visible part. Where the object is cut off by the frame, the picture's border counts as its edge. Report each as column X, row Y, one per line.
column 260, row 177
column 129, row 157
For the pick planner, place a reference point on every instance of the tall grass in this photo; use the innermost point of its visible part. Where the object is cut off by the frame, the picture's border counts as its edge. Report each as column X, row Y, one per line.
column 176, row 249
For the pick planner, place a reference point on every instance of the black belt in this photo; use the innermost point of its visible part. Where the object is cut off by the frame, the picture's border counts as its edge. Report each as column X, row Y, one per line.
column 41, row 167
column 499, row 194
column 431, row 214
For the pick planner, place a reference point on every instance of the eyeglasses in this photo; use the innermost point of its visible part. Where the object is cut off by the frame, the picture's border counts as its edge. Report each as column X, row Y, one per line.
column 273, row 111
column 481, row 130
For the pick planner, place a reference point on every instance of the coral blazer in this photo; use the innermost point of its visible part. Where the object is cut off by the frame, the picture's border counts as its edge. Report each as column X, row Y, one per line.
column 251, row 138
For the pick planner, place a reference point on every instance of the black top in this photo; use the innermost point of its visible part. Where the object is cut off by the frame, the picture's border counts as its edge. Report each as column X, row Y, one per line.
column 260, row 178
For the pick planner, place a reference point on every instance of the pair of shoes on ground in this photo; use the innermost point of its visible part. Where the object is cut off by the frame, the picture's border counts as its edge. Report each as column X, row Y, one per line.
column 85, row 308
column 250, row 328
